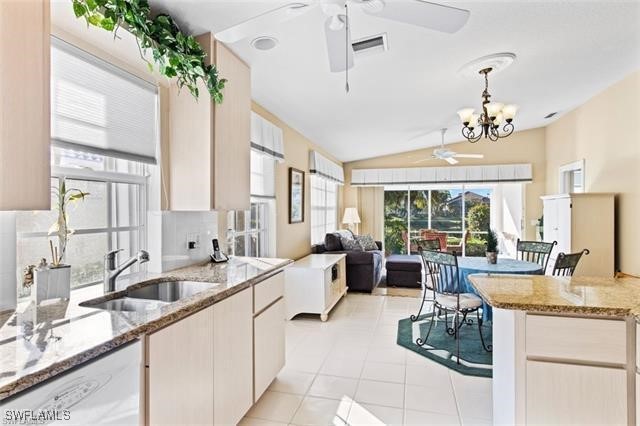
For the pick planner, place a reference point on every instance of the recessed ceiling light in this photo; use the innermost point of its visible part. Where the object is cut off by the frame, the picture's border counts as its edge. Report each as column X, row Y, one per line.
column 264, row 43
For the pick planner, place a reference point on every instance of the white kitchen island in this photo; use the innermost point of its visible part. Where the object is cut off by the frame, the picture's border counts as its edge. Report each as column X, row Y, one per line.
column 564, row 349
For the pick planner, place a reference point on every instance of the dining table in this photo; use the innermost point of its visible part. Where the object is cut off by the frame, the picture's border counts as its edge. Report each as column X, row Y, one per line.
column 468, row 265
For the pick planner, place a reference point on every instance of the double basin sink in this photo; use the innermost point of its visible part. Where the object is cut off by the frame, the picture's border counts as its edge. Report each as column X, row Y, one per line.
column 150, row 297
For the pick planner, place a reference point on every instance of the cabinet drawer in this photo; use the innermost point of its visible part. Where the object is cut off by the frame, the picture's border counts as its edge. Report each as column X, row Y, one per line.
column 595, row 340
column 267, row 291
column 565, row 394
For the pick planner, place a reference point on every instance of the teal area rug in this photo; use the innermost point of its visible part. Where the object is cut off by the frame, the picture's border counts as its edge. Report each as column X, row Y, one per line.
column 442, row 348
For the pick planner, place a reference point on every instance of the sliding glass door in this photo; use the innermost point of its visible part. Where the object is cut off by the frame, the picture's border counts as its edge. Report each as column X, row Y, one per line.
column 462, row 212
column 396, row 224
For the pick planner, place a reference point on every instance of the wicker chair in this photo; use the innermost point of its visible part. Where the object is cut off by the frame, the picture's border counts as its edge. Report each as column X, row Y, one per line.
column 443, row 269
column 535, row 251
column 566, row 263
column 432, row 234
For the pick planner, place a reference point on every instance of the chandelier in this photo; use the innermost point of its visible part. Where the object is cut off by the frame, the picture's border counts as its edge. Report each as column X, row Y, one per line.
column 488, row 122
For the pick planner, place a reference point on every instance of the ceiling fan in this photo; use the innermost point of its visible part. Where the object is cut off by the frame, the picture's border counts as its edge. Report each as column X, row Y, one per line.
column 447, row 155
column 337, row 25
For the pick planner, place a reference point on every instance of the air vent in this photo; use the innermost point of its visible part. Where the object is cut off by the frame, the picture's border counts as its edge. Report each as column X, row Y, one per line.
column 551, row 114
column 370, row 45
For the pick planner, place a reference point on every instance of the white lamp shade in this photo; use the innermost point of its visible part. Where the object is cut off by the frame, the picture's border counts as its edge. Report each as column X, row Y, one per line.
column 465, row 114
column 473, row 120
column 494, row 108
column 351, row 216
column 499, row 119
column 509, row 111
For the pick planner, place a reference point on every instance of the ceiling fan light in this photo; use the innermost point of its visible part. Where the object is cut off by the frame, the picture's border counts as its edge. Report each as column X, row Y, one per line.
column 509, row 112
column 493, row 109
column 465, row 115
column 373, row 6
column 337, row 22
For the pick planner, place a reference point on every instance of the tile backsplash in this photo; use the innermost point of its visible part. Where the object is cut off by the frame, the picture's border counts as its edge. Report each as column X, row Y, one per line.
column 169, row 234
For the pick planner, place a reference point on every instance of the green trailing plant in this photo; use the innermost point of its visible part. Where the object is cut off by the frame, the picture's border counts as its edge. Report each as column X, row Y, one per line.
column 64, row 197
column 492, row 241
column 176, row 54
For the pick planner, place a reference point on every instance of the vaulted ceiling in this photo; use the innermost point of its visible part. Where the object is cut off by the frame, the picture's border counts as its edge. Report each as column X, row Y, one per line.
column 567, row 51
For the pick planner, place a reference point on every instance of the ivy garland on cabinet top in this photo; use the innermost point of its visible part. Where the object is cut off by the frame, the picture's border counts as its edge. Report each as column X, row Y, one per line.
column 175, row 53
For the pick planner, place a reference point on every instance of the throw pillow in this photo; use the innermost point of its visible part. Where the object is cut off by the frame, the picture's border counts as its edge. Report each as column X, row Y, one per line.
column 332, row 242
column 367, row 242
column 345, row 233
column 349, row 244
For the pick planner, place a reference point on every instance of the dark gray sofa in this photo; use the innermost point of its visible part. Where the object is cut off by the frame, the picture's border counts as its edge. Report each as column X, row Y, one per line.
column 364, row 268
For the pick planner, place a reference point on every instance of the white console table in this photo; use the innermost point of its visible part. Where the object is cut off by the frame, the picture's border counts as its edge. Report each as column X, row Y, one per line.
column 315, row 284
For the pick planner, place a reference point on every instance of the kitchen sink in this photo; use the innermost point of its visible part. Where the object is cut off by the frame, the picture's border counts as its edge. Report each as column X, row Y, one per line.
column 169, row 291
column 124, row 304
column 150, row 297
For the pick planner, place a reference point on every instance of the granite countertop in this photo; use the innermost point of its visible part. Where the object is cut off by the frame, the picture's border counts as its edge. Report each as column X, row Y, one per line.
column 563, row 295
column 37, row 343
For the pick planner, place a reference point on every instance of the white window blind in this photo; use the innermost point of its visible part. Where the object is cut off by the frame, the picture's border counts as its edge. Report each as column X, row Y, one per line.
column 262, row 175
column 321, row 166
column 324, row 208
column 266, row 137
column 97, row 107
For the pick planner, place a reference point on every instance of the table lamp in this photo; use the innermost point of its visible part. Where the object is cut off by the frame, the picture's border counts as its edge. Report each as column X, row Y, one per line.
column 351, row 217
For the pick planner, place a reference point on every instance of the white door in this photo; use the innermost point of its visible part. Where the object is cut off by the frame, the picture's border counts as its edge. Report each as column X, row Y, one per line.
column 563, row 235
column 269, row 346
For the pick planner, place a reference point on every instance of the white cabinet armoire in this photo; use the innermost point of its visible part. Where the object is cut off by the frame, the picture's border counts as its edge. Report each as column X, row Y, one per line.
column 582, row 221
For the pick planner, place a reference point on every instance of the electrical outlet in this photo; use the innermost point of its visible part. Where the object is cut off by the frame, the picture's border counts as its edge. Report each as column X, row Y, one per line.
column 193, row 240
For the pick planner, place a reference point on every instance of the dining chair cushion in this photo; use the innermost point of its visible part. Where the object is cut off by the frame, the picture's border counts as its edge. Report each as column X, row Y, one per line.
column 467, row 300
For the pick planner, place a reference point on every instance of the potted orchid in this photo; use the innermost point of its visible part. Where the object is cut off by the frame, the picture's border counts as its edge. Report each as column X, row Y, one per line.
column 53, row 280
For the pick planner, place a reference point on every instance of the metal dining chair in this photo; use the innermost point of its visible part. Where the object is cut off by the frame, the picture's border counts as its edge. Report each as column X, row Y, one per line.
column 535, row 251
column 442, row 268
column 432, row 244
column 566, row 263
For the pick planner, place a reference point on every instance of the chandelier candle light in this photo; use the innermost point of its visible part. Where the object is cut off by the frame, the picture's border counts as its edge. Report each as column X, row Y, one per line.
column 492, row 116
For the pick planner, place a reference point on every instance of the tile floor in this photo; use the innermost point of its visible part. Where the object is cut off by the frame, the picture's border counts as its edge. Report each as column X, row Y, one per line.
column 350, row 371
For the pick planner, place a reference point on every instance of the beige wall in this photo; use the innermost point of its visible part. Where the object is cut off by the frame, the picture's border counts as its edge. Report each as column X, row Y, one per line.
column 605, row 132
column 522, row 147
column 293, row 241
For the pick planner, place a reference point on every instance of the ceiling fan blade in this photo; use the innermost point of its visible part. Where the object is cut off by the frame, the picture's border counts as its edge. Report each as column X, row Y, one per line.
column 423, row 14
column 422, row 161
column 337, row 41
column 261, row 23
column 451, row 160
column 469, row 155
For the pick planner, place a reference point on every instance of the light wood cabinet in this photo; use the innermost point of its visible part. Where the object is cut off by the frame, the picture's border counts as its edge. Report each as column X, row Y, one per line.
column 269, row 346
column 209, row 148
column 232, row 358
column 579, row 221
column 563, row 394
column 180, row 372
column 25, row 168
column 200, row 370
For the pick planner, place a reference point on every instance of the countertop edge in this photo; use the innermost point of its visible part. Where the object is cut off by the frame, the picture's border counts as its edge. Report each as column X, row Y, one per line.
column 555, row 308
column 33, row 379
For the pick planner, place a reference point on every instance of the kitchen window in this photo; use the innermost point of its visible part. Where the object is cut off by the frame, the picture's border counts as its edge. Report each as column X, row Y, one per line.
column 253, row 230
column 324, row 208
column 112, row 216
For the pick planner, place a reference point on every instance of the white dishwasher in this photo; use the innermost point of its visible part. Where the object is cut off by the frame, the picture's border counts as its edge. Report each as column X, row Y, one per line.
column 104, row 391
